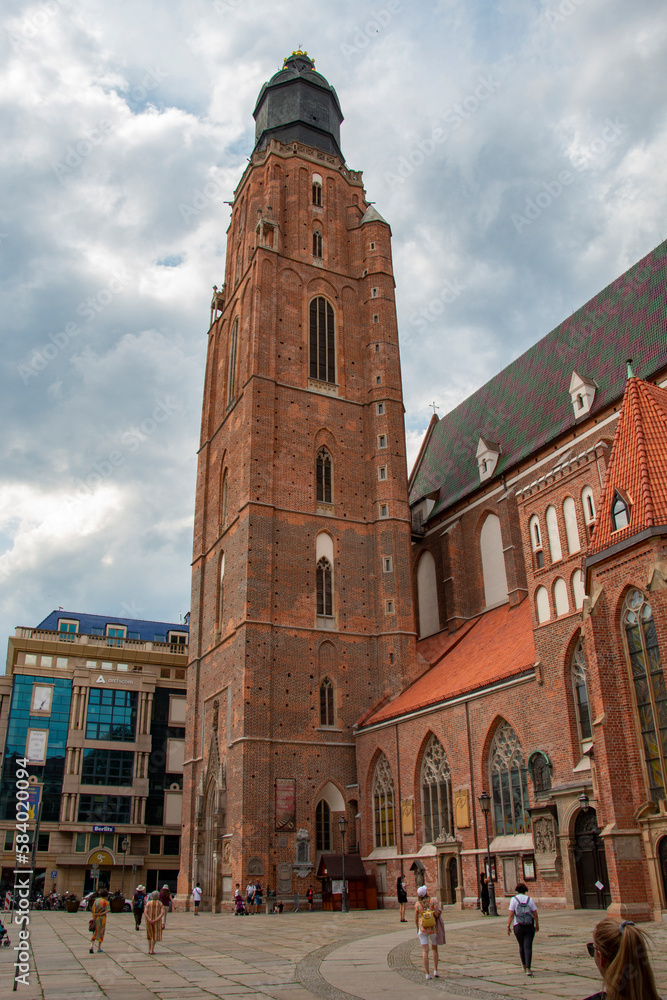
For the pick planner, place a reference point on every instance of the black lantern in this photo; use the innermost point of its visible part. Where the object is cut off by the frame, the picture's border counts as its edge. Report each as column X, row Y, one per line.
column 485, row 805
column 342, row 826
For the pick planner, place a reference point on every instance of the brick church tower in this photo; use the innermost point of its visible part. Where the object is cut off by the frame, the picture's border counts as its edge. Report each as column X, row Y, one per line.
column 302, row 615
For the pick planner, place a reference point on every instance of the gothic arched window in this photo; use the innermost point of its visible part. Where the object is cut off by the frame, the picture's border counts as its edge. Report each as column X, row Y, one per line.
column 540, row 771
column 649, row 687
column 509, row 784
column 383, row 804
column 580, row 688
column 620, row 512
column 323, row 826
column 324, row 588
column 317, row 190
column 231, row 370
column 322, row 341
column 436, row 787
column 536, row 541
column 324, row 465
column 221, row 589
column 317, row 243
column 223, row 499
column 327, row 708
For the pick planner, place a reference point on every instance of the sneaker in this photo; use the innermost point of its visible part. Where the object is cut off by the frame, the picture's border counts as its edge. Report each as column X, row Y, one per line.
column 528, row 972
column 427, row 976
column 92, row 951
column 436, row 975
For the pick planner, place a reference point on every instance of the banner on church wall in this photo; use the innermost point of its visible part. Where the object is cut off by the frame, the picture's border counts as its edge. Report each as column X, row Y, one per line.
column 285, row 804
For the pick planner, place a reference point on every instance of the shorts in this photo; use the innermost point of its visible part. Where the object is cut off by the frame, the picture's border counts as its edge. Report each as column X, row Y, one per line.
column 427, row 938
column 249, row 900
column 258, row 900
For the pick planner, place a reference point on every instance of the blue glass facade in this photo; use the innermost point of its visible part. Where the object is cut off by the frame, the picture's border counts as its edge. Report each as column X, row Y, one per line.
column 112, row 715
column 20, row 721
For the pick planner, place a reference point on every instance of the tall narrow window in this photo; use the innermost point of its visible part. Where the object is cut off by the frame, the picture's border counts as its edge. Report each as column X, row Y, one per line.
column 561, row 599
column 324, row 588
column 436, row 786
column 509, row 783
column 231, row 371
column 221, row 590
column 571, row 526
column 317, row 243
column 322, row 341
column 589, row 504
column 327, row 717
column 317, row 190
column 383, row 804
column 620, row 514
column 650, row 691
column 536, row 542
column 323, row 826
column 554, row 534
column 324, row 493
column 223, row 499
column 580, row 688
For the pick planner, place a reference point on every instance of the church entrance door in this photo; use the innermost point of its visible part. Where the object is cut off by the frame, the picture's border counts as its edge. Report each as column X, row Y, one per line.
column 453, row 873
column 591, row 863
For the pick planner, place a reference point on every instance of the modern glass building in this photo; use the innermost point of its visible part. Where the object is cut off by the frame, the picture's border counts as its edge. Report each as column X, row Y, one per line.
column 93, row 707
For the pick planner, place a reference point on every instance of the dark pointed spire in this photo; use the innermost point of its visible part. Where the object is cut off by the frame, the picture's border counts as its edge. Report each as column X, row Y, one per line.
column 299, row 105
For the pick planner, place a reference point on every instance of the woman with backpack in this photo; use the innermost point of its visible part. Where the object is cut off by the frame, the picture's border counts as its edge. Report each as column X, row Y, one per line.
column 523, row 918
column 430, row 927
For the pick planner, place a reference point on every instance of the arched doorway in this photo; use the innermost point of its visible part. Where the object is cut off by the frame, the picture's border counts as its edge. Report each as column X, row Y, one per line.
column 591, row 863
column 453, row 877
column 662, row 857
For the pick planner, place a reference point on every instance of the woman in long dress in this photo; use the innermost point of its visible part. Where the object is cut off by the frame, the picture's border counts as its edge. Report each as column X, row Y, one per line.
column 99, row 918
column 153, row 913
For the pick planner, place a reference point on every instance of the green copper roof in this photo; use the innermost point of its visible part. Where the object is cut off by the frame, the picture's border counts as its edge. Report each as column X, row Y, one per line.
column 528, row 403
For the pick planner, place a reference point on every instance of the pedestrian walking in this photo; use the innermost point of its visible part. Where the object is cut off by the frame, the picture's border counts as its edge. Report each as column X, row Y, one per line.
column 311, row 898
column 621, row 954
column 257, row 898
column 430, row 927
column 484, row 893
column 196, row 896
column 250, row 896
column 166, row 900
column 138, row 901
column 154, row 911
column 98, row 921
column 525, row 922
column 402, row 896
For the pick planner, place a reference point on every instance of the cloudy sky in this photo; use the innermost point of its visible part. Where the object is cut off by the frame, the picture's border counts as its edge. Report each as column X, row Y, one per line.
column 517, row 148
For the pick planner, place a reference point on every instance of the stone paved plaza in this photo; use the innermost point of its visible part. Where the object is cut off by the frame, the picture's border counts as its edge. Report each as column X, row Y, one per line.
column 296, row 956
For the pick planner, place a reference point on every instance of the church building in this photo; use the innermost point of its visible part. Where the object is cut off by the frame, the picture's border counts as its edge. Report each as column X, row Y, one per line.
column 391, row 666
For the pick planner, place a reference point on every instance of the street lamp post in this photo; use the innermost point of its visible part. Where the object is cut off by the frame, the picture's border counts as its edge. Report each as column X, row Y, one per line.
column 342, row 826
column 123, row 846
column 485, row 805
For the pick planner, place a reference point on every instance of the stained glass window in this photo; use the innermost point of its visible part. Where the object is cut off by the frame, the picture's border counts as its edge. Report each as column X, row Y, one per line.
column 509, row 783
column 436, row 788
column 649, row 686
column 580, row 687
column 383, row 804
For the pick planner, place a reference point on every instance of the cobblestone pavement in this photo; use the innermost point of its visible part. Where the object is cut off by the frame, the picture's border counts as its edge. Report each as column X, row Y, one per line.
column 298, row 956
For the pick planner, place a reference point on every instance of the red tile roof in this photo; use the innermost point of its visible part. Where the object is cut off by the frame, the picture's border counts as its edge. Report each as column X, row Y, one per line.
column 492, row 647
column 637, row 466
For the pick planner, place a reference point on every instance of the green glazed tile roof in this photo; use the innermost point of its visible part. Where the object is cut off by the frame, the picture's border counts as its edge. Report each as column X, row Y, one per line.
column 528, row 403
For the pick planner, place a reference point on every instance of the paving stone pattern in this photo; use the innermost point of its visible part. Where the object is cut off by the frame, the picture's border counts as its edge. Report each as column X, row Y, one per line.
column 294, row 957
